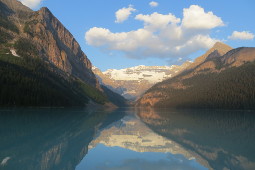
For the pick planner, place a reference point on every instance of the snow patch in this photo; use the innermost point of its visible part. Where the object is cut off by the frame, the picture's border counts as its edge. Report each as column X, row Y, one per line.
column 153, row 74
column 5, row 160
column 14, row 53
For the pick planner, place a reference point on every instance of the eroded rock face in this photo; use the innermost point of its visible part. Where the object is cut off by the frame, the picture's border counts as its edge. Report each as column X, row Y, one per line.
column 16, row 6
column 58, row 45
column 53, row 41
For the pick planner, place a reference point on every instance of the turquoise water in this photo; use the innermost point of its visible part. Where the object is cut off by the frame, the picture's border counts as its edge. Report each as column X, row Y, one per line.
column 126, row 139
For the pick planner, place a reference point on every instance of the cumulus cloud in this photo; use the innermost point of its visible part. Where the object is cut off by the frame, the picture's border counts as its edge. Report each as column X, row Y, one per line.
column 162, row 36
column 157, row 20
column 31, row 3
column 123, row 14
column 245, row 35
column 196, row 17
column 153, row 4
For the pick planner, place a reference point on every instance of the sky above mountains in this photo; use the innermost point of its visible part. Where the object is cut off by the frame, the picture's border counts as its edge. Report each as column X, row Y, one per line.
column 125, row 33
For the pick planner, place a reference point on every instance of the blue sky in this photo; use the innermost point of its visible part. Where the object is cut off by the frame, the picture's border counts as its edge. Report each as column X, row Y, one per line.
column 165, row 32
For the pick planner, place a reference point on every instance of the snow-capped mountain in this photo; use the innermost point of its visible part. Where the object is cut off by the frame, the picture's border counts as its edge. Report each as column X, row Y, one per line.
column 153, row 74
column 134, row 81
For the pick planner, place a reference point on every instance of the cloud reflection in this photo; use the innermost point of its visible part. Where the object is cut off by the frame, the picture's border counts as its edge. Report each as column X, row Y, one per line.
column 177, row 163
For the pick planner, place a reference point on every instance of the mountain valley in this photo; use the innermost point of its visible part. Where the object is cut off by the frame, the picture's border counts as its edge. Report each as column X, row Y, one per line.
column 134, row 81
column 127, row 85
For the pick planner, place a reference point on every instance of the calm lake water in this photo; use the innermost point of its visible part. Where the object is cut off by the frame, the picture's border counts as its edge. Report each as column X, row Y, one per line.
column 126, row 139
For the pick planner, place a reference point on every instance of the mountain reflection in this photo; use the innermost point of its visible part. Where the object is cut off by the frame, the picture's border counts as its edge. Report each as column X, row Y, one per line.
column 130, row 144
column 132, row 134
column 48, row 138
column 223, row 139
column 62, row 139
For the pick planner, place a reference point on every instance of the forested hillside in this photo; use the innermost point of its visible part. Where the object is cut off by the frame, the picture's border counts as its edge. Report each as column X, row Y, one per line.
column 231, row 89
column 219, row 82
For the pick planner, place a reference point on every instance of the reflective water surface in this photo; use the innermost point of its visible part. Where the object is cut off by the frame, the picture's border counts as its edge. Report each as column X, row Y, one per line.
column 130, row 139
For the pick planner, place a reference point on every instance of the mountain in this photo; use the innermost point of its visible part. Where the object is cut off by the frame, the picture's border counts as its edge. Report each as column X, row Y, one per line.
column 41, row 63
column 220, row 81
column 134, row 81
column 219, row 49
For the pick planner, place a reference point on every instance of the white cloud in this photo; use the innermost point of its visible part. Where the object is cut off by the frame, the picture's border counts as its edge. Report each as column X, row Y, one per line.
column 245, row 35
column 157, row 20
column 195, row 17
column 123, row 14
column 162, row 36
column 31, row 3
column 153, row 4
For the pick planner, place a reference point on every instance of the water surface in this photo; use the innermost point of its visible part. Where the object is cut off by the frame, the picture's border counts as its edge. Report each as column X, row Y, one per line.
column 126, row 139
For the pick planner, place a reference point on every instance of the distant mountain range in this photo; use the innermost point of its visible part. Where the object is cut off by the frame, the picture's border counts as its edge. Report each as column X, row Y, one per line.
column 41, row 64
column 134, row 81
column 222, row 78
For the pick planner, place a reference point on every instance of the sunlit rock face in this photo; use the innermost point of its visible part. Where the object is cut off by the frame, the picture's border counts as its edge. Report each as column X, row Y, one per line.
column 59, row 45
column 219, row 49
column 54, row 43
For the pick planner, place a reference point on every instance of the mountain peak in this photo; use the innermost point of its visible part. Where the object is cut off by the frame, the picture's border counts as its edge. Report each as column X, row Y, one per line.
column 45, row 10
column 219, row 43
column 221, row 48
column 218, row 49
column 15, row 6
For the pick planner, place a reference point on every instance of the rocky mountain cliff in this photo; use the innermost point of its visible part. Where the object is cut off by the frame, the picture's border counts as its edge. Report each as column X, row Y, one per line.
column 31, row 38
column 134, row 81
column 53, row 41
column 219, row 81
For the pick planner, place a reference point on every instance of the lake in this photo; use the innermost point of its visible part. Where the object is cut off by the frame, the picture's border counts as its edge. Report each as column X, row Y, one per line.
column 126, row 139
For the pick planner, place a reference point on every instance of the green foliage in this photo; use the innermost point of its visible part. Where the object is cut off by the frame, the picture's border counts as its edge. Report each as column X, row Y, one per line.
column 218, row 63
column 25, row 48
column 27, row 28
column 5, row 37
column 5, row 23
column 28, row 82
column 87, row 90
column 229, row 89
column 115, row 98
